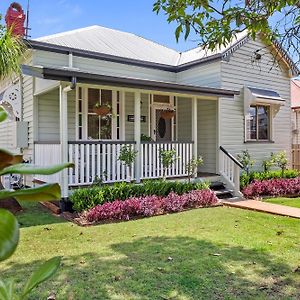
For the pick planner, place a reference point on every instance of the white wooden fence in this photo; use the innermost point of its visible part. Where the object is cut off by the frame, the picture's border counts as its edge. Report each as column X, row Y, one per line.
column 151, row 163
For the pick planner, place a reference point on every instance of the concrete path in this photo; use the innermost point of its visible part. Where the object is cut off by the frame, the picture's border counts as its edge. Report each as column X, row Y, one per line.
column 270, row 208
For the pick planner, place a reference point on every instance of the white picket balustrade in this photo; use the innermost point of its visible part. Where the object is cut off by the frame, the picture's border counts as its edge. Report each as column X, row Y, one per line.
column 230, row 169
column 151, row 163
column 47, row 154
column 97, row 159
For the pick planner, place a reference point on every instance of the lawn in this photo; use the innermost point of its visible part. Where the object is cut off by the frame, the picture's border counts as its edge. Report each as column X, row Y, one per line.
column 294, row 202
column 214, row 253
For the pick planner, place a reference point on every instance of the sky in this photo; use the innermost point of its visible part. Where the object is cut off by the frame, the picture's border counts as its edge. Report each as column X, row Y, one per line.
column 135, row 16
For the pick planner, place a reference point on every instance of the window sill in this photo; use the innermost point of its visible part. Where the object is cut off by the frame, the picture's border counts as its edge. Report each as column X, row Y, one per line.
column 259, row 142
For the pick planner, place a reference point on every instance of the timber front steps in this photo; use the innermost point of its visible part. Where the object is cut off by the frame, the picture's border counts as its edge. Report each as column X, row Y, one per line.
column 222, row 191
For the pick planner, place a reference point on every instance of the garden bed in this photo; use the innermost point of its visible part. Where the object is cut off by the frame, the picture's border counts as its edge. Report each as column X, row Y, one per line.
column 273, row 188
column 141, row 207
column 87, row 198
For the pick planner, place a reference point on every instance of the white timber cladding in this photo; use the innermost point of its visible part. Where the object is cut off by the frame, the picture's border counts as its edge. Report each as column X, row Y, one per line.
column 48, row 116
column 240, row 71
column 6, row 127
column 203, row 75
column 49, row 59
column 207, row 134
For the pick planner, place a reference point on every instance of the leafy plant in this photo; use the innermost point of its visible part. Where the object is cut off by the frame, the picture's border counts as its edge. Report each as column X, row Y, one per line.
column 245, row 160
column 273, row 187
column 268, row 163
column 9, row 227
column 12, row 49
column 146, row 138
column 167, row 158
column 246, row 179
column 127, row 157
column 148, row 206
column 192, row 166
column 86, row 198
column 281, row 160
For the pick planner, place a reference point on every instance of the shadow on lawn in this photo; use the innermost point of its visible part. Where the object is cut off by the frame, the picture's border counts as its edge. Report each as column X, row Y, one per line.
column 170, row 268
column 34, row 214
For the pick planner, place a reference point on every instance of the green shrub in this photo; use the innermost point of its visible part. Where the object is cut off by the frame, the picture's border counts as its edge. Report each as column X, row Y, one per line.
column 246, row 179
column 86, row 198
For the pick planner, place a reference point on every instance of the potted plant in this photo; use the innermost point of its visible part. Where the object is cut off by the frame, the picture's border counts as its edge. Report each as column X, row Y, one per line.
column 102, row 109
column 168, row 114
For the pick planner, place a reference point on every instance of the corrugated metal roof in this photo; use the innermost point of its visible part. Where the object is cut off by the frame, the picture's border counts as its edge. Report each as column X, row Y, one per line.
column 114, row 42
column 199, row 53
column 123, row 44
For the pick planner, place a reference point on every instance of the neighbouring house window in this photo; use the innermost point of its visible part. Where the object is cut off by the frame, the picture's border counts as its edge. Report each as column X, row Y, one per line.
column 99, row 127
column 258, row 123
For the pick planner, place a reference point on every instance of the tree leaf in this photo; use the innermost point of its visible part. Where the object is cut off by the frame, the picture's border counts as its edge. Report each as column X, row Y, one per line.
column 6, row 290
column 7, row 159
column 3, row 114
column 42, row 274
column 9, row 234
column 33, row 169
column 46, row 192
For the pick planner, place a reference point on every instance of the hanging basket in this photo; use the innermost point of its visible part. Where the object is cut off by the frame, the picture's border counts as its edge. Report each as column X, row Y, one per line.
column 102, row 110
column 168, row 114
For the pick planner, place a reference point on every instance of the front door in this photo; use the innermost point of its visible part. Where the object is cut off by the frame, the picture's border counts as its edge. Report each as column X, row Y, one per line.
column 163, row 127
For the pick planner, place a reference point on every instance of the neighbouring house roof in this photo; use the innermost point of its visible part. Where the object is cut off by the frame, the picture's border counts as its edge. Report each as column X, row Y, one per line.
column 68, row 75
column 295, row 93
column 118, row 46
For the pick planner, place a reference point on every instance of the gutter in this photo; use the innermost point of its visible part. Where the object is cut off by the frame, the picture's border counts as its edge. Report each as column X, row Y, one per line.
column 118, row 59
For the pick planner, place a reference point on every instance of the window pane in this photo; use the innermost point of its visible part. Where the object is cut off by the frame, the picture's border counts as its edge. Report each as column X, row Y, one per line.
column 253, row 123
column 106, row 97
column 80, row 93
column 106, row 128
column 93, row 97
column 263, row 122
column 161, row 98
column 80, row 106
column 93, row 127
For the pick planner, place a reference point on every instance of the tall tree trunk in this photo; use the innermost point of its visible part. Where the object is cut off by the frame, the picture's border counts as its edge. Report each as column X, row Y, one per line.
column 10, row 204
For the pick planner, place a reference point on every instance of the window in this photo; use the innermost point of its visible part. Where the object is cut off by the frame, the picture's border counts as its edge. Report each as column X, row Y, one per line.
column 258, row 123
column 99, row 127
column 161, row 99
column 80, row 112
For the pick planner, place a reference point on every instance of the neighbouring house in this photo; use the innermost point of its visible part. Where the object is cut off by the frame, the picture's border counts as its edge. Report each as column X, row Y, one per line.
column 295, row 103
column 198, row 102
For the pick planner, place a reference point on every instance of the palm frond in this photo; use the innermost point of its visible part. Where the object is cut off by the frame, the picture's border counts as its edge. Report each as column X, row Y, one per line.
column 12, row 49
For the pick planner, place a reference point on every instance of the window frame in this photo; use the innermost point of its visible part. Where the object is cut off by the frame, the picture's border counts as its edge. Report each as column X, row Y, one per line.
column 85, row 113
column 269, row 112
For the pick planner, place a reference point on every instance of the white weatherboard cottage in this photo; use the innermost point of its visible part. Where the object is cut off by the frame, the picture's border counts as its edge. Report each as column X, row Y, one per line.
column 226, row 101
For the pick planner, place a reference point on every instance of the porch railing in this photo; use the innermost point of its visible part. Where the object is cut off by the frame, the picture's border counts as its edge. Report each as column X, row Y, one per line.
column 150, row 159
column 97, row 159
column 47, row 154
column 100, row 159
column 230, row 169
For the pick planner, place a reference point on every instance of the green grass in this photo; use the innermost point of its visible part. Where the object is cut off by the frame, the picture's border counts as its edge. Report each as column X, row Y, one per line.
column 294, row 202
column 215, row 253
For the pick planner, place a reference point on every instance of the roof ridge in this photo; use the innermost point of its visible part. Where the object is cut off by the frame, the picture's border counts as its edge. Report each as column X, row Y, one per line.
column 60, row 34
